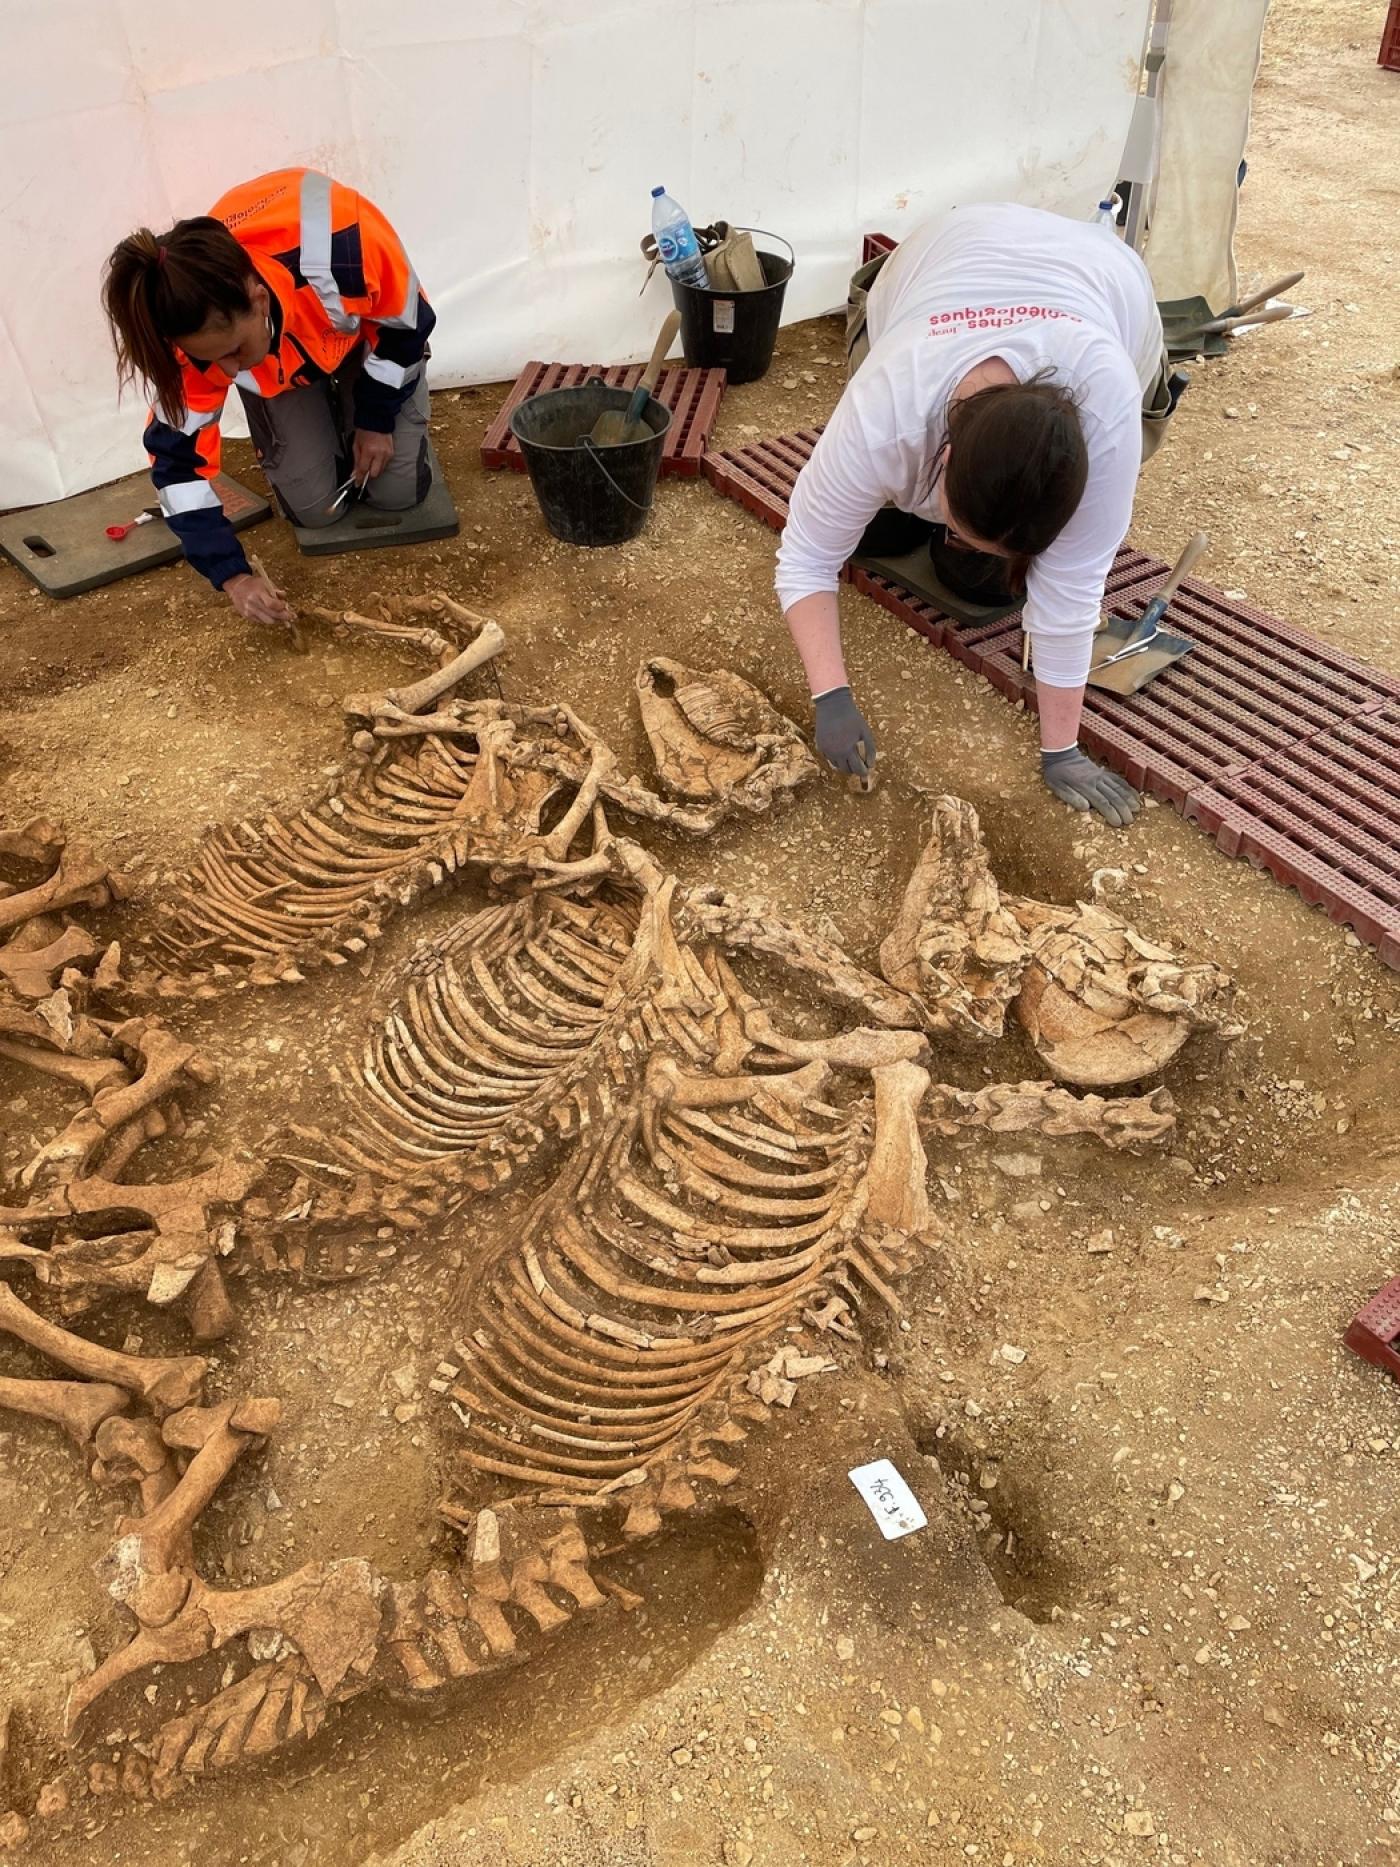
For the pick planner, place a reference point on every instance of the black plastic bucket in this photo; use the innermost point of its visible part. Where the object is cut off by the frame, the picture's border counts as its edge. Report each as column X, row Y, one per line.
column 589, row 495
column 736, row 331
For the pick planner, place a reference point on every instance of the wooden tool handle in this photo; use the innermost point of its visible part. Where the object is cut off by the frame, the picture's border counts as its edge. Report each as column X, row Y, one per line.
column 1284, row 284
column 665, row 337
column 1194, row 551
column 1275, row 315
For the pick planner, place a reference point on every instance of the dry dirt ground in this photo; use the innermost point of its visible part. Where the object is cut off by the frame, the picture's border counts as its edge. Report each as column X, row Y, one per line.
column 1153, row 1616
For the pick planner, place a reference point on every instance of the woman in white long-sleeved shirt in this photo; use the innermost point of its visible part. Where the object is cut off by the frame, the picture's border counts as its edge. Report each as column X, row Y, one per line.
column 1008, row 379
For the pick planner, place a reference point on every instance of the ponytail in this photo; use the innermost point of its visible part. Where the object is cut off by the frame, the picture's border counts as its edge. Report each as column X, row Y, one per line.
column 157, row 289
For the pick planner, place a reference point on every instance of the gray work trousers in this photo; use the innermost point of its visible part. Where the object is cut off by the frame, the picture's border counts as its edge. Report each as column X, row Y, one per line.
column 304, row 439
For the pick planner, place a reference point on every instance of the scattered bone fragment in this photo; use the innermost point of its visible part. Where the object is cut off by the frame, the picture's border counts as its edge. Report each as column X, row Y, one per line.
column 775, row 1383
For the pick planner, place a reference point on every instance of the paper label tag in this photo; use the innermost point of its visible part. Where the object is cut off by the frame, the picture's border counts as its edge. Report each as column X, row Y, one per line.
column 889, row 1500
column 724, row 315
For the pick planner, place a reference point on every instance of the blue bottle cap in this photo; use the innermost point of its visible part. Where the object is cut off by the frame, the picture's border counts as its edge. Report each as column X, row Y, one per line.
column 657, row 191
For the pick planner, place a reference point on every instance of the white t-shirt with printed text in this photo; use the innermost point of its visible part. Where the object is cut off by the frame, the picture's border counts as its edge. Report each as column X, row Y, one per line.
column 1043, row 293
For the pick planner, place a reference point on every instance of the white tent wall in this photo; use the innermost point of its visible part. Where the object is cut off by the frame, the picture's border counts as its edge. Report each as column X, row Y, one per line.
column 513, row 143
column 1212, row 59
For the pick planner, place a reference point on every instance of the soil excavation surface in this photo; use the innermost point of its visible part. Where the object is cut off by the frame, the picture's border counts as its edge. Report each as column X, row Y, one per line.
column 1153, row 1615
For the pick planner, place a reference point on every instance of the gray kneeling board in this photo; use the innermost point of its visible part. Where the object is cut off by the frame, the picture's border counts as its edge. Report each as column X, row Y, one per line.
column 64, row 546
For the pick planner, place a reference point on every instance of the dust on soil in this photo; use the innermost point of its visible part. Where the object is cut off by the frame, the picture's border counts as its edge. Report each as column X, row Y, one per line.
column 1158, row 1591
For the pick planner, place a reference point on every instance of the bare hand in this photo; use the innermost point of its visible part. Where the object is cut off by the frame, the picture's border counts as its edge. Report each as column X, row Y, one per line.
column 258, row 600
column 373, row 452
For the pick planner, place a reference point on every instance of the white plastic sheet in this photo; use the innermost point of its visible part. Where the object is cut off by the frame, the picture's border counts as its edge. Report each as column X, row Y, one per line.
column 513, row 143
column 1212, row 58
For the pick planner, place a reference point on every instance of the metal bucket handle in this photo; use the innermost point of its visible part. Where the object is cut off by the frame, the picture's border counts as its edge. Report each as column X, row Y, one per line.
column 590, row 447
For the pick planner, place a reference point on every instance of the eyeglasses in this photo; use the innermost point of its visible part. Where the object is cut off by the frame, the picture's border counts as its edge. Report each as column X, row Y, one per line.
column 950, row 531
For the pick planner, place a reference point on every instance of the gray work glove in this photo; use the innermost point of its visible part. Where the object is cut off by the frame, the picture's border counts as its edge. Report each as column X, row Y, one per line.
column 1077, row 781
column 843, row 738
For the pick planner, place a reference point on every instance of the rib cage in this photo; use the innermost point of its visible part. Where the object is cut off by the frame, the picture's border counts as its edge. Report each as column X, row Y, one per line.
column 314, row 885
column 473, row 789
column 490, row 1032
column 681, row 1238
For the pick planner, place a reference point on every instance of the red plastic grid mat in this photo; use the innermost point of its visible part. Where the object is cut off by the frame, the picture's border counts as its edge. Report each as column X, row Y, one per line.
column 874, row 244
column 1390, row 39
column 692, row 395
column 1374, row 1328
column 1282, row 748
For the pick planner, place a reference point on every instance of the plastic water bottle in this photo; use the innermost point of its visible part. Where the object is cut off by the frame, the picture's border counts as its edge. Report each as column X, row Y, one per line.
column 676, row 244
column 1106, row 213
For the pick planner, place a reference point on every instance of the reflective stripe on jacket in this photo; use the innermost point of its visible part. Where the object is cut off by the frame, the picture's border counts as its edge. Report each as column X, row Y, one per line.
column 338, row 277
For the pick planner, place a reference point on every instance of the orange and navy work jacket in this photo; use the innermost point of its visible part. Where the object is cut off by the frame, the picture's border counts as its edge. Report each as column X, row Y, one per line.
column 338, row 278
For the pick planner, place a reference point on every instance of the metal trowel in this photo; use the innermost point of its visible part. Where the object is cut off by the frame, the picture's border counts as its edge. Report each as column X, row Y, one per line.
column 1130, row 651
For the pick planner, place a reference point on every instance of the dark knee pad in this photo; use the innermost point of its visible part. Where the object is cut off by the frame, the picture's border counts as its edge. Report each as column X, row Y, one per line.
column 892, row 533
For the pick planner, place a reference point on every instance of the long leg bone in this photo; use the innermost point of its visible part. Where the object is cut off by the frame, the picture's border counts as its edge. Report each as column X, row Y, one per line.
column 150, row 1568
column 165, row 1384
column 92, row 1075
column 79, row 878
column 402, row 703
column 166, row 1064
column 79, row 1407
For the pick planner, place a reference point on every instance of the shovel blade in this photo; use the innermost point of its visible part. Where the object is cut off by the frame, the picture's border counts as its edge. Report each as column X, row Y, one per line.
column 613, row 429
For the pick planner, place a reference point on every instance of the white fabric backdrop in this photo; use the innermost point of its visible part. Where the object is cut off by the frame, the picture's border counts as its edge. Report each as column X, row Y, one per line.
column 1212, row 58
column 513, row 143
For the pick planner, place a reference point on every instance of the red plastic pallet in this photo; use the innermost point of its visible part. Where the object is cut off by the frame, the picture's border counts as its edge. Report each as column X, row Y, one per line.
column 1278, row 745
column 1373, row 1330
column 1323, row 816
column 1390, row 39
column 693, row 397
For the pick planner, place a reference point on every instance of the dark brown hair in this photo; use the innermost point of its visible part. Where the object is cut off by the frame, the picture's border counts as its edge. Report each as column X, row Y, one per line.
column 161, row 287
column 1016, row 468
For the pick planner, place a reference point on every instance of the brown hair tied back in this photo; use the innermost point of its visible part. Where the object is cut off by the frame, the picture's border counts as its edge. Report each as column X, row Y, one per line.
column 1016, row 469
column 157, row 290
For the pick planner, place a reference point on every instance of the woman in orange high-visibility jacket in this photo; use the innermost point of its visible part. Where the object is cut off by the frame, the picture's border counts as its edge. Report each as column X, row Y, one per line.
column 297, row 291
